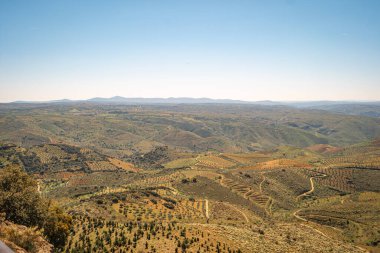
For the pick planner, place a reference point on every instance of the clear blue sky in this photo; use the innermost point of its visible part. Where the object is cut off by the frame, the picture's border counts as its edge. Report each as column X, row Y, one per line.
column 250, row 50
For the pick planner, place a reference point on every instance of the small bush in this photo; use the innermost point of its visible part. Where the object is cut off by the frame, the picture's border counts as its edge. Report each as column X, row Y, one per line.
column 168, row 205
column 185, row 181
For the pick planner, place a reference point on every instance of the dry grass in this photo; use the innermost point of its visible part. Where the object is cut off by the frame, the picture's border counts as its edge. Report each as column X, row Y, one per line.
column 247, row 158
column 181, row 163
column 123, row 165
column 278, row 164
column 101, row 166
column 28, row 239
column 214, row 162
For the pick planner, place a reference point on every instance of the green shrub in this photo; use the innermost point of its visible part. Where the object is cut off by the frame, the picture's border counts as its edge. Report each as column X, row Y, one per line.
column 22, row 204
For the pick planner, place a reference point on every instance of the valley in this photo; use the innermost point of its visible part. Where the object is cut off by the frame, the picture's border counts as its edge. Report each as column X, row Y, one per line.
column 176, row 191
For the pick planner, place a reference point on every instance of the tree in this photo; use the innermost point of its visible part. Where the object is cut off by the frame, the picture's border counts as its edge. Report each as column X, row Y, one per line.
column 57, row 226
column 22, row 204
column 19, row 199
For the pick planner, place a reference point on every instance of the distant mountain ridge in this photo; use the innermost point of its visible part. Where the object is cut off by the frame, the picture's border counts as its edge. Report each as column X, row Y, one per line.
column 140, row 100
column 170, row 100
column 363, row 108
column 190, row 100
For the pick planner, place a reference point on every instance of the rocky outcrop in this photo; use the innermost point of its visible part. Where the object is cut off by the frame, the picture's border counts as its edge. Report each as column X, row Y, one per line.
column 22, row 239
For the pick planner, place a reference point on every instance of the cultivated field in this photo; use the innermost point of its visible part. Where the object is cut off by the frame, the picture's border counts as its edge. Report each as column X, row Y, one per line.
column 191, row 179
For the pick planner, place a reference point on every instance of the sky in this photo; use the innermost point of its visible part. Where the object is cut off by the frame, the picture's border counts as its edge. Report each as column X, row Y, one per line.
column 238, row 49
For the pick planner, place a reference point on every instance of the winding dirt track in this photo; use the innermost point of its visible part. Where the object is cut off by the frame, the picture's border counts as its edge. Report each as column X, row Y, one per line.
column 270, row 202
column 39, row 187
column 261, row 183
column 312, row 188
column 308, row 192
column 295, row 214
column 238, row 210
column 206, row 204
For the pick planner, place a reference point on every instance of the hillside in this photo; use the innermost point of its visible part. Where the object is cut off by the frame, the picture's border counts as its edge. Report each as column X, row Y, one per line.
column 363, row 109
column 284, row 199
column 22, row 239
column 196, row 178
column 146, row 126
column 121, row 130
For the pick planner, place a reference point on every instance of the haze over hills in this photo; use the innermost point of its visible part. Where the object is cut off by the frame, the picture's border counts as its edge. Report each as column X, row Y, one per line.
column 125, row 100
column 191, row 100
column 363, row 108
column 143, row 126
column 222, row 127
column 189, row 177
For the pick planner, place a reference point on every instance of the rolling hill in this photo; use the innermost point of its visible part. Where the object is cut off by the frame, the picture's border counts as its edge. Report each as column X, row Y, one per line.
column 120, row 130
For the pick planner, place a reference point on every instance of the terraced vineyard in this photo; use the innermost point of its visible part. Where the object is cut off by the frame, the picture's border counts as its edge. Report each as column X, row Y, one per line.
column 162, row 210
column 357, row 156
column 213, row 161
column 278, row 164
column 101, row 166
column 160, row 180
column 246, row 158
column 340, row 214
column 122, row 165
column 47, row 153
column 340, row 179
column 99, row 235
column 352, row 162
column 246, row 191
column 239, row 202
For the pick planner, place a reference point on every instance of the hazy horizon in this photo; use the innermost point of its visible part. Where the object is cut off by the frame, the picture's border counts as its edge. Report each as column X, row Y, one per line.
column 186, row 126
column 287, row 50
column 194, row 98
